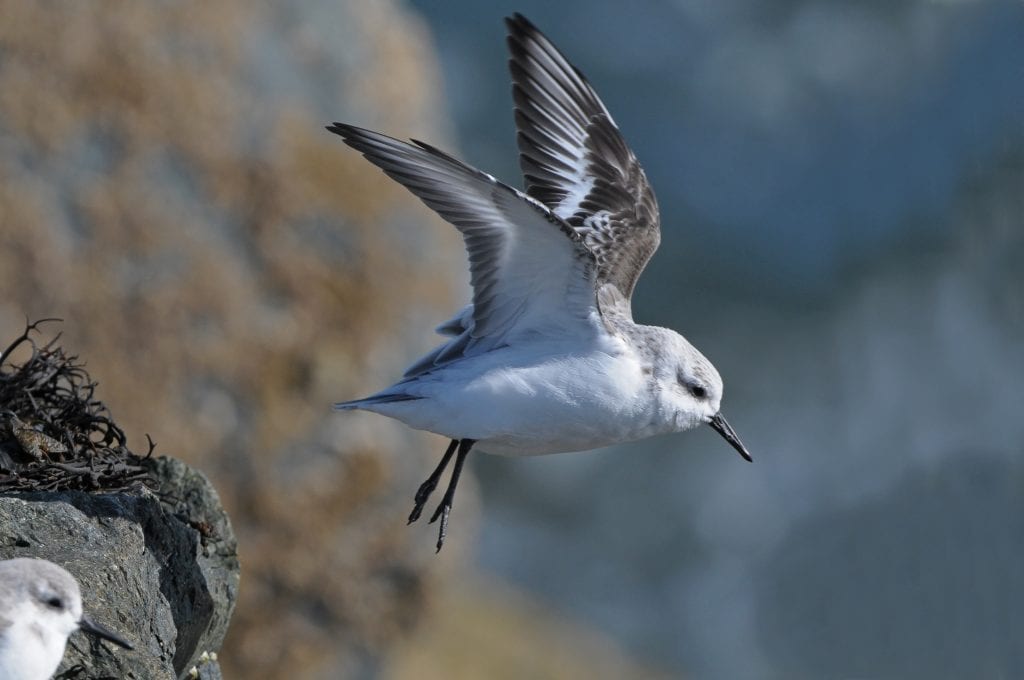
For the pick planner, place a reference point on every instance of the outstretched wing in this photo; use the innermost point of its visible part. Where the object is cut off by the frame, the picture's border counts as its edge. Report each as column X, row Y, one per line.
column 530, row 271
column 576, row 161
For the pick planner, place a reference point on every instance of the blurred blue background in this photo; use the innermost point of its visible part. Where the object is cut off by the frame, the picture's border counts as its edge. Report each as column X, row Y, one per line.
column 842, row 195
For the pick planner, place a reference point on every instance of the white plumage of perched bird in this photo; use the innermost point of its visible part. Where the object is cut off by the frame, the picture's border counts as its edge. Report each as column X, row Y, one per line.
column 546, row 358
column 40, row 607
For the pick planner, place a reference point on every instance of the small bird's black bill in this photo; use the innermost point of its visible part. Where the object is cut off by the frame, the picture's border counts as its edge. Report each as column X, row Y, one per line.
column 89, row 626
column 723, row 428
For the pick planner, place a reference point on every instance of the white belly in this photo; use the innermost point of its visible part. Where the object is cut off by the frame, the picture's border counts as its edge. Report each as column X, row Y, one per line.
column 557, row 404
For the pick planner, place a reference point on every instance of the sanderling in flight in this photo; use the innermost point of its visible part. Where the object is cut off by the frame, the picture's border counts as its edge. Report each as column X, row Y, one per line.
column 40, row 606
column 546, row 358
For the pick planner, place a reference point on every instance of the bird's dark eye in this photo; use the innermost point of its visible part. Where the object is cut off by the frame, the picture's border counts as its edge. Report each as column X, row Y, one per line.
column 55, row 602
column 696, row 389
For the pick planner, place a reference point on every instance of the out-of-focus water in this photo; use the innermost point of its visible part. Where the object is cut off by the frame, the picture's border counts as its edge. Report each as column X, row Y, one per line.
column 842, row 192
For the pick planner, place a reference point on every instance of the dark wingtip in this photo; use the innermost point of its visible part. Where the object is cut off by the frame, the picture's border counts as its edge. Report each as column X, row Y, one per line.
column 337, row 128
column 360, row 139
column 518, row 25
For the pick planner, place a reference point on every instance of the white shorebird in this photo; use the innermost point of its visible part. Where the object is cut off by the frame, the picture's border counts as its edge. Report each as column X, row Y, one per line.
column 40, row 606
column 546, row 358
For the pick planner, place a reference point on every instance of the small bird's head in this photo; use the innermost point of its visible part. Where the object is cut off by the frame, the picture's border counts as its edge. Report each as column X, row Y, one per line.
column 54, row 597
column 691, row 389
column 49, row 600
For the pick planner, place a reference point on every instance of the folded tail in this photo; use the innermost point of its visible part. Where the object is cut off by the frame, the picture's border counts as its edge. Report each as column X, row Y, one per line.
column 383, row 398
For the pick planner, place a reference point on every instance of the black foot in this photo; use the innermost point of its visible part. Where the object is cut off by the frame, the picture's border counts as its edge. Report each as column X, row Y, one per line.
column 445, row 508
column 427, row 487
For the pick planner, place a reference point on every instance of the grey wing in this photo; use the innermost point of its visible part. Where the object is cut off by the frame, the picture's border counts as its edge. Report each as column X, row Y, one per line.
column 575, row 160
column 530, row 271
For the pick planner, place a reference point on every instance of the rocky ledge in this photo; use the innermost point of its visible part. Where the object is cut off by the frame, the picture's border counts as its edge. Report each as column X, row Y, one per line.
column 162, row 570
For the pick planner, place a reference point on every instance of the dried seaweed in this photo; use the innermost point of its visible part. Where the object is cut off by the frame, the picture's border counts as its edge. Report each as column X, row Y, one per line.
column 55, row 435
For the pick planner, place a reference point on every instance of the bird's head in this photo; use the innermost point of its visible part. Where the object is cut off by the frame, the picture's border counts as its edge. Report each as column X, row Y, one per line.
column 691, row 389
column 53, row 598
column 55, row 602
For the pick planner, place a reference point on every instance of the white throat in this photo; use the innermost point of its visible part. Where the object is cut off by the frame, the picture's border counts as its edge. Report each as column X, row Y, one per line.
column 31, row 648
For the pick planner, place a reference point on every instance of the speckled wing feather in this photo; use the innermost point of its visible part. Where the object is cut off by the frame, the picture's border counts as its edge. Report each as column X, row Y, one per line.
column 575, row 160
column 530, row 271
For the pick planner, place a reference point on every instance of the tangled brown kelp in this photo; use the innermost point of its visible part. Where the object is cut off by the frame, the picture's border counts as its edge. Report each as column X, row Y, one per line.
column 55, row 434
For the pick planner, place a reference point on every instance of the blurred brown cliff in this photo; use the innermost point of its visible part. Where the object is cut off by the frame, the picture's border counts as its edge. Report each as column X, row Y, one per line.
column 227, row 269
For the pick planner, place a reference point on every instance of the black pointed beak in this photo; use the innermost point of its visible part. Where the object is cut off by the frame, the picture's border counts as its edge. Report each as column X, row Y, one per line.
column 723, row 428
column 89, row 626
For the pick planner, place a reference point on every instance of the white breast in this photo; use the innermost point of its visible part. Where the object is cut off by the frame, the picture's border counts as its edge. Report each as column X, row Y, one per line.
column 550, row 402
column 29, row 653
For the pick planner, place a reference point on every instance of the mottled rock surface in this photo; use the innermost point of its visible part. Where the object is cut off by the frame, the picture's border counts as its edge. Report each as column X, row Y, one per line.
column 163, row 573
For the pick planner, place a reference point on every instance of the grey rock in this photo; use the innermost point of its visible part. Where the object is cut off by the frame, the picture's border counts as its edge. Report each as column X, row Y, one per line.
column 163, row 571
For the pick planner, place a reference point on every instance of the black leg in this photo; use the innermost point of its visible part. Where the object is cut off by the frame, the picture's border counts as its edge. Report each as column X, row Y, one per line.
column 445, row 508
column 427, row 487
